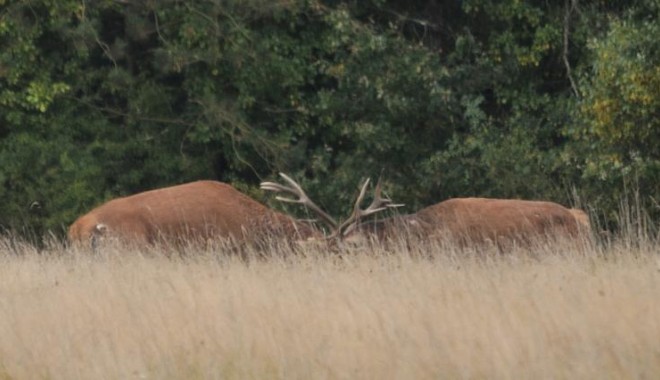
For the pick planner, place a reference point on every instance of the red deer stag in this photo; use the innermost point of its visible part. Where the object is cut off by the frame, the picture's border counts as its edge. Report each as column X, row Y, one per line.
column 196, row 210
column 468, row 221
column 464, row 221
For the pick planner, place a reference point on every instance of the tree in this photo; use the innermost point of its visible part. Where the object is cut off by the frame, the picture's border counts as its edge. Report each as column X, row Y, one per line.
column 618, row 120
column 478, row 97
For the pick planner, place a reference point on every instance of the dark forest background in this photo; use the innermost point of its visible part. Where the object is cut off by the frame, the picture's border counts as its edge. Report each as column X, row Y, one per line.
column 554, row 100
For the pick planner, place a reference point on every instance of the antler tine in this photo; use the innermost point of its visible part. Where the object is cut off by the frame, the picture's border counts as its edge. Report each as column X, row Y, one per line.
column 375, row 205
column 363, row 192
column 276, row 187
column 379, row 203
column 355, row 215
column 296, row 190
column 293, row 184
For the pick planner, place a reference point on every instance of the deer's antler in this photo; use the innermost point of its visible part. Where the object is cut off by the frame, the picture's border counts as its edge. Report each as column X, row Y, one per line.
column 301, row 198
column 378, row 204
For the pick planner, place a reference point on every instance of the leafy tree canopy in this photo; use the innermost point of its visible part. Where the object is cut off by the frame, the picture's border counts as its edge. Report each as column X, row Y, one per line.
column 460, row 98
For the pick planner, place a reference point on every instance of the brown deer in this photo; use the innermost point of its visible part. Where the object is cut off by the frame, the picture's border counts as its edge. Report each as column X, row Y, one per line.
column 502, row 222
column 464, row 221
column 193, row 211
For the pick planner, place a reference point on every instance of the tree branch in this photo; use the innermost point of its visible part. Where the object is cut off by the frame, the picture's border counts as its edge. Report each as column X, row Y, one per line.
column 571, row 5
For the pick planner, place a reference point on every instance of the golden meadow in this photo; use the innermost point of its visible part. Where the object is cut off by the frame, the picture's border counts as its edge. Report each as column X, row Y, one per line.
column 405, row 311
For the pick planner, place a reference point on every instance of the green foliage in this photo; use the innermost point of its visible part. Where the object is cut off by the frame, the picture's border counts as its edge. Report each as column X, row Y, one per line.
column 107, row 98
column 622, row 91
column 617, row 122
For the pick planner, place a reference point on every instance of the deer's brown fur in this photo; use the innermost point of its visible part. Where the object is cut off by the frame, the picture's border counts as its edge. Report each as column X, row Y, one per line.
column 196, row 210
column 480, row 220
column 582, row 219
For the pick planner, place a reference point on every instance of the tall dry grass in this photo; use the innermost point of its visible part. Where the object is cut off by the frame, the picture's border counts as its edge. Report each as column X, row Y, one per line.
column 429, row 311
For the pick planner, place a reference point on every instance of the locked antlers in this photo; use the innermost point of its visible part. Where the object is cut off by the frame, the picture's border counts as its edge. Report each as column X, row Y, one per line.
column 378, row 204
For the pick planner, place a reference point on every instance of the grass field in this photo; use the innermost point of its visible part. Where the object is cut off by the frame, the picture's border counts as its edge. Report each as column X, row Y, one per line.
column 423, row 313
